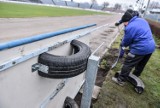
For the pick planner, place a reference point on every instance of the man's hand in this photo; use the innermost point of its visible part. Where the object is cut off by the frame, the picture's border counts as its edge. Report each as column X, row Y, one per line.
column 126, row 51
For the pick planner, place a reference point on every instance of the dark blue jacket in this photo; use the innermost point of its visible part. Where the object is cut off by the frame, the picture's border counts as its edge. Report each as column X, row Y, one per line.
column 138, row 37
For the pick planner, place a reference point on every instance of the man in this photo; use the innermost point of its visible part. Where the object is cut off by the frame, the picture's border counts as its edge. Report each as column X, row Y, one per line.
column 138, row 38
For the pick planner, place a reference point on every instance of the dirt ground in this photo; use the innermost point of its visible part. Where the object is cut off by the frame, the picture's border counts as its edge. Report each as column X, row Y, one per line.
column 16, row 28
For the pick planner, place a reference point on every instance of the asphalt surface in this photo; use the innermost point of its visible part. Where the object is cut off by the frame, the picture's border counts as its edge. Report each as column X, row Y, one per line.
column 17, row 28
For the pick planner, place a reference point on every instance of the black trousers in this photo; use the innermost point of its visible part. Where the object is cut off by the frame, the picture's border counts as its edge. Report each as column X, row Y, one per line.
column 133, row 61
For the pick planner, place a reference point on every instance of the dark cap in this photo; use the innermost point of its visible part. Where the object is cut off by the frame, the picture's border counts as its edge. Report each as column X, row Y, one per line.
column 128, row 15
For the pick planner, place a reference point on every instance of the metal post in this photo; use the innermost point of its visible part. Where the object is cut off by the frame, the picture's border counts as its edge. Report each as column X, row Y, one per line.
column 90, row 78
column 142, row 4
column 146, row 8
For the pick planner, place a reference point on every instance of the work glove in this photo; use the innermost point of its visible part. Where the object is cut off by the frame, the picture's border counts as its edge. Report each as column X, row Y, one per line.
column 117, row 24
column 126, row 51
column 121, row 53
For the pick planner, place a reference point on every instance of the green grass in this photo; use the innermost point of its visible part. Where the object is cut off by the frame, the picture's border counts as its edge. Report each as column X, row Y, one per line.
column 115, row 96
column 12, row 10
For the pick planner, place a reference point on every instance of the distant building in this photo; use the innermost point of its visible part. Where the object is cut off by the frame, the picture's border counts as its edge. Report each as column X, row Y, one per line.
column 113, row 10
column 155, row 11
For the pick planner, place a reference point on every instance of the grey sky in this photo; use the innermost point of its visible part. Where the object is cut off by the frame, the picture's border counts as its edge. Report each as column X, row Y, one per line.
column 129, row 2
column 123, row 2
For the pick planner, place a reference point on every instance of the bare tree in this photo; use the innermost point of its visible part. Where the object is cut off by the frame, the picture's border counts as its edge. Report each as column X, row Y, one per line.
column 154, row 5
column 117, row 6
column 93, row 2
column 53, row 2
column 105, row 4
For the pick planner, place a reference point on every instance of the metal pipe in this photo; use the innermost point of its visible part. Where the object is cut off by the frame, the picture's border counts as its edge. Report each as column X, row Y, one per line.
column 146, row 8
column 27, row 40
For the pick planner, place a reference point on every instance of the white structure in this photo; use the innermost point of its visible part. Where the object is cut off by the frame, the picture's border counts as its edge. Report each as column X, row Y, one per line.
column 22, row 88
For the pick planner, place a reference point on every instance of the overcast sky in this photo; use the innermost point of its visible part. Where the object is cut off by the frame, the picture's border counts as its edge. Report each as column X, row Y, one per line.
column 123, row 2
column 129, row 2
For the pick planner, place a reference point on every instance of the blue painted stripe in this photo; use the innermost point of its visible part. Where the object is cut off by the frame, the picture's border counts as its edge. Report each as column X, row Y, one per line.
column 27, row 40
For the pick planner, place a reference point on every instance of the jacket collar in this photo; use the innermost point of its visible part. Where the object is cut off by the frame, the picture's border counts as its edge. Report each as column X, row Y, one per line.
column 133, row 19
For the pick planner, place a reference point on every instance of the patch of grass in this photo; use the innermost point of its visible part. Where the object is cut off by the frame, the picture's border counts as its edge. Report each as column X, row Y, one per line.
column 157, row 40
column 13, row 10
column 118, row 40
column 103, row 64
column 115, row 96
